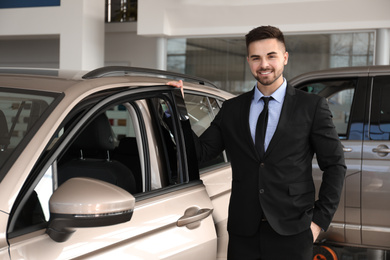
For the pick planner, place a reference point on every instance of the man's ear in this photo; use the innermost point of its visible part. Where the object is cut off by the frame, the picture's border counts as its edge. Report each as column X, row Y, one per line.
column 285, row 58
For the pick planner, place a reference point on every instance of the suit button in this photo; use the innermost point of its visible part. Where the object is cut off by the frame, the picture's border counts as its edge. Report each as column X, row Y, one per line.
column 262, row 165
column 261, row 191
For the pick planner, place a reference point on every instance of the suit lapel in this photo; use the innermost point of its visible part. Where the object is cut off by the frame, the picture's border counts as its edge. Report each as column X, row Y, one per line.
column 285, row 115
column 246, row 105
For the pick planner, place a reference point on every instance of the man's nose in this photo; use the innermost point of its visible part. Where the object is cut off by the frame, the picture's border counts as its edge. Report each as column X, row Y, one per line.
column 263, row 64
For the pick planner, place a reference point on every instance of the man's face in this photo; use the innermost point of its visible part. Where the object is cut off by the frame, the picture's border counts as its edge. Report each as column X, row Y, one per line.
column 266, row 59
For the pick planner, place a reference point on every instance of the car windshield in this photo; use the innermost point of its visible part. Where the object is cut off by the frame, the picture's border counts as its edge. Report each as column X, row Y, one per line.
column 20, row 110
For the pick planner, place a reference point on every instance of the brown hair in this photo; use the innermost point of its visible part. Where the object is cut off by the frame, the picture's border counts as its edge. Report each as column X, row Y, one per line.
column 264, row 32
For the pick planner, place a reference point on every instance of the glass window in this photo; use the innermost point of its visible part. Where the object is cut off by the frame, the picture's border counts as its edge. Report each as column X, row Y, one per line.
column 339, row 95
column 121, row 10
column 340, row 105
column 202, row 111
column 380, row 114
column 352, row 49
column 19, row 112
column 223, row 60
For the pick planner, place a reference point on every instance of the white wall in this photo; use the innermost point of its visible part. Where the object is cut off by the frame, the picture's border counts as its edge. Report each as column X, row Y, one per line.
column 232, row 17
column 79, row 24
column 124, row 47
column 33, row 52
column 85, row 42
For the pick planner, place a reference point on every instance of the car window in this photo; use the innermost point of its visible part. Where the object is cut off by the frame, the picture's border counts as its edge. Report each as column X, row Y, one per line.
column 202, row 111
column 19, row 112
column 380, row 114
column 112, row 145
column 339, row 94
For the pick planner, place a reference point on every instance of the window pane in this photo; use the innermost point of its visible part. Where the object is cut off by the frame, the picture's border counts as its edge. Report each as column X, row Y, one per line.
column 97, row 152
column 19, row 112
column 340, row 97
column 340, row 105
column 202, row 111
column 380, row 115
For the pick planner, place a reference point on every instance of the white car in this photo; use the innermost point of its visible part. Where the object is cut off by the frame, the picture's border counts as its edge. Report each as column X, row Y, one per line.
column 103, row 166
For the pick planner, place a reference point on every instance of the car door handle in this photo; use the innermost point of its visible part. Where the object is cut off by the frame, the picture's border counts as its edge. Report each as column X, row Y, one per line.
column 192, row 217
column 381, row 150
column 347, row 149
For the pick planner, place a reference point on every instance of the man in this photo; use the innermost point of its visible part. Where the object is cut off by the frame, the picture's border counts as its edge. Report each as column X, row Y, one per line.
column 273, row 213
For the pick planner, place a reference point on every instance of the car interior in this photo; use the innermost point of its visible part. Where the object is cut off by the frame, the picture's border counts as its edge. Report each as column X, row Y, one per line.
column 91, row 153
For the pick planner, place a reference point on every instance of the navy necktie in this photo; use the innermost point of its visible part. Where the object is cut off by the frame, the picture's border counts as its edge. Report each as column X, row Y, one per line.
column 261, row 127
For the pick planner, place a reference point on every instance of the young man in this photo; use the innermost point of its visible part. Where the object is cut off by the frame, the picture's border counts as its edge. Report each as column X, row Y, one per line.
column 273, row 213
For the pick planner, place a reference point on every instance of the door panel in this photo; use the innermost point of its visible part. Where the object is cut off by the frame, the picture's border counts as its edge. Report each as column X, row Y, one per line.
column 215, row 174
column 152, row 233
column 341, row 95
column 169, row 188
column 3, row 242
column 376, row 169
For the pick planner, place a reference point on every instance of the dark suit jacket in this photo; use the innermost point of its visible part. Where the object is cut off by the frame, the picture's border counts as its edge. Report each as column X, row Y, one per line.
column 281, row 186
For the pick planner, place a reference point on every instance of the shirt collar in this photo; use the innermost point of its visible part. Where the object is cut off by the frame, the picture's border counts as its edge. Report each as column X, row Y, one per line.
column 278, row 95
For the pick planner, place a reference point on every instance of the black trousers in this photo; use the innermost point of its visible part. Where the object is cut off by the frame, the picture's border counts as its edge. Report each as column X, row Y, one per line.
column 266, row 244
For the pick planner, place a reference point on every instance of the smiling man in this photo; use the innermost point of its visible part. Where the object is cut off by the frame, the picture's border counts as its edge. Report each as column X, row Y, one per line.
column 270, row 135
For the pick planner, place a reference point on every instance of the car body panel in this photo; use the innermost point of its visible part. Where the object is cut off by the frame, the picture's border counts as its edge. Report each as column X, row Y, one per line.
column 3, row 239
column 144, row 237
column 362, row 218
column 218, row 185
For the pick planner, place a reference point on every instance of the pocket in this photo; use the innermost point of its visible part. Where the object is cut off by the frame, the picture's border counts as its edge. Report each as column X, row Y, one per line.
column 299, row 188
column 311, row 237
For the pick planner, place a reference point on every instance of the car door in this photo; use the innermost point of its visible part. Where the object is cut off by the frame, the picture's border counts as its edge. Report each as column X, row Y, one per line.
column 346, row 98
column 376, row 167
column 150, row 140
column 216, row 174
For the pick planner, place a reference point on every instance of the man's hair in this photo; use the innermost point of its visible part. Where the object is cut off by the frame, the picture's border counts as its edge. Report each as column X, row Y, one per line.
column 264, row 32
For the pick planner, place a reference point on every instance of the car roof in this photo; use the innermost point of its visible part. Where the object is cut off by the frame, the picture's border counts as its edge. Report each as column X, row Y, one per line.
column 362, row 71
column 62, row 81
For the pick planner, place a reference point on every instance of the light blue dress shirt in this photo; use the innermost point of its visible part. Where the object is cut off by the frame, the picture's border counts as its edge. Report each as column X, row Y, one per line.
column 274, row 109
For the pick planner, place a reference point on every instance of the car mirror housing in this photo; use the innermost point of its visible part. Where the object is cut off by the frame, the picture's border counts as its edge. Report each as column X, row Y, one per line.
column 87, row 202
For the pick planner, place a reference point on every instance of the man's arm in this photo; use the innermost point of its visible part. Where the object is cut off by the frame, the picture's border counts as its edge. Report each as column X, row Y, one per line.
column 330, row 157
column 210, row 143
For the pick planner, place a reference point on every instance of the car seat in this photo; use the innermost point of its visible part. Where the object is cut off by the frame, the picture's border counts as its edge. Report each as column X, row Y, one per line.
column 97, row 138
column 127, row 153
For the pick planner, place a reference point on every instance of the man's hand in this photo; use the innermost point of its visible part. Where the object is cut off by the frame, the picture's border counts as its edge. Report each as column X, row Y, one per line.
column 315, row 229
column 178, row 84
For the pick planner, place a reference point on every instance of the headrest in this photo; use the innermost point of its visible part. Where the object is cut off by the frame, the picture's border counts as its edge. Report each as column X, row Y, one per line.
column 4, row 138
column 98, row 135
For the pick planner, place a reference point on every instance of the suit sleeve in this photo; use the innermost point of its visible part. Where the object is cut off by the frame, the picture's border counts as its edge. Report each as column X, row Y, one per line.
column 210, row 144
column 330, row 157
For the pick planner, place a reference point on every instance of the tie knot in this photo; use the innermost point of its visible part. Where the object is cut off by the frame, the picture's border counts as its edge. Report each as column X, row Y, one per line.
column 266, row 100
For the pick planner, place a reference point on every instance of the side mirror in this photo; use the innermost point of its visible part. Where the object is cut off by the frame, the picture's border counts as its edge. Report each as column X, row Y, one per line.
column 87, row 202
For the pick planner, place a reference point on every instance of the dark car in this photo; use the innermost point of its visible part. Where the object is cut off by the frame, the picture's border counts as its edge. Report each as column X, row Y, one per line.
column 359, row 98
